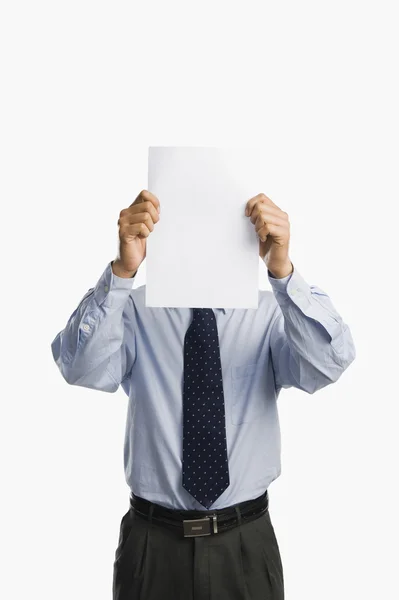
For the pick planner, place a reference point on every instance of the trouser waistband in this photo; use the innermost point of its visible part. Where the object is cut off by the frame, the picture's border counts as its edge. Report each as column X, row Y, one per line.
column 197, row 522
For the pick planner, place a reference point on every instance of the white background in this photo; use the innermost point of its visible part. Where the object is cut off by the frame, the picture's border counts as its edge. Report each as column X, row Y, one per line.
column 86, row 87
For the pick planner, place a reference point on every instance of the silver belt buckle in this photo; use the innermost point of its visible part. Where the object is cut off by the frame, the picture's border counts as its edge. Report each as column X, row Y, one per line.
column 195, row 527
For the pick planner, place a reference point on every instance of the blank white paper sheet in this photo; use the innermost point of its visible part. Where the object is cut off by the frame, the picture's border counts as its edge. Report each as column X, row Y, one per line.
column 203, row 252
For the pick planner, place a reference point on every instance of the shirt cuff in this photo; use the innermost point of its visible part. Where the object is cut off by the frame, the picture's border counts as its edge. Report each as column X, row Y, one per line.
column 280, row 285
column 293, row 288
column 112, row 290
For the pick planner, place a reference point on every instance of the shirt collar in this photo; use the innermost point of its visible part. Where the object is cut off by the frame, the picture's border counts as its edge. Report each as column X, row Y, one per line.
column 223, row 309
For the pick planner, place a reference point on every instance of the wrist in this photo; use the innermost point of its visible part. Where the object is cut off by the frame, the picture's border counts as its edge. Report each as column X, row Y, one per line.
column 119, row 271
column 279, row 271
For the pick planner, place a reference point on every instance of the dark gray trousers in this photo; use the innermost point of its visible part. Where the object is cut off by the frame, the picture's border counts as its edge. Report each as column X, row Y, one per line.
column 153, row 562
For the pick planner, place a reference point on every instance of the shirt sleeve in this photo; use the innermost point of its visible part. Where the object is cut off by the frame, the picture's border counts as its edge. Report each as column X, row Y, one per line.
column 97, row 347
column 311, row 346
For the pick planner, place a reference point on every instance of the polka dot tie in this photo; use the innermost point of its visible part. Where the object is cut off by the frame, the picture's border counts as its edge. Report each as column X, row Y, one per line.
column 205, row 463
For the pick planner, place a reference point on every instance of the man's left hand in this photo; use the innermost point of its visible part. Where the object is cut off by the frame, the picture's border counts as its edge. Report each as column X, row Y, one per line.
column 273, row 229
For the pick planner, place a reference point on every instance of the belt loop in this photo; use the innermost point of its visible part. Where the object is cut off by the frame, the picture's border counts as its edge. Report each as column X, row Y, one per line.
column 151, row 510
column 238, row 515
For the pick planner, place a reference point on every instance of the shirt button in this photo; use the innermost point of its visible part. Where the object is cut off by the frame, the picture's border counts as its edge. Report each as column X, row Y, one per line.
column 86, row 327
column 106, row 288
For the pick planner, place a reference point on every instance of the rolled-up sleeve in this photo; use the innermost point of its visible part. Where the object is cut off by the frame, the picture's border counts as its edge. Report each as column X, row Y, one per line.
column 96, row 349
column 311, row 345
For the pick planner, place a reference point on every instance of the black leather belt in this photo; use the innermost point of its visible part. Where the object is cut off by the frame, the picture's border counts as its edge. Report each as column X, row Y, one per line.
column 195, row 522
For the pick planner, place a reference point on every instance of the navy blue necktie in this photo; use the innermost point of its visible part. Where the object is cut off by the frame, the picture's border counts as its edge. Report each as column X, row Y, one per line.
column 205, row 462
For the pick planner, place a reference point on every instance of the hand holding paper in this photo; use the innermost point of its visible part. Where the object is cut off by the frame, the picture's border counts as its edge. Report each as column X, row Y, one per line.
column 273, row 229
column 135, row 225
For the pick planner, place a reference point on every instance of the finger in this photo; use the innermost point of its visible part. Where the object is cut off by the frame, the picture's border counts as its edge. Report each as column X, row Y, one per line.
column 258, row 198
column 137, row 209
column 146, row 196
column 132, row 219
column 135, row 230
column 261, row 222
column 269, row 228
column 267, row 210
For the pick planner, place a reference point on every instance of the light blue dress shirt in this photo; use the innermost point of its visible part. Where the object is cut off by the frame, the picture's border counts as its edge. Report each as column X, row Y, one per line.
column 294, row 338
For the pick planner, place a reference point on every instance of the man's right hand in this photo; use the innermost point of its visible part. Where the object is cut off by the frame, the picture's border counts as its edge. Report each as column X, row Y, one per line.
column 135, row 225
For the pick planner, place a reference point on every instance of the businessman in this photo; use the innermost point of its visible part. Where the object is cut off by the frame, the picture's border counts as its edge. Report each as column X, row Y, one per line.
column 202, row 440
